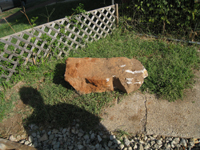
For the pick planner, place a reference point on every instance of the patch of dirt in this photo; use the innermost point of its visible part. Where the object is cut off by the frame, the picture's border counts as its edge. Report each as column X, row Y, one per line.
column 12, row 124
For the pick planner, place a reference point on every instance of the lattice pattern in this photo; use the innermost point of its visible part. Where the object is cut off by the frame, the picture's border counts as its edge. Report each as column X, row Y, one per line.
column 29, row 46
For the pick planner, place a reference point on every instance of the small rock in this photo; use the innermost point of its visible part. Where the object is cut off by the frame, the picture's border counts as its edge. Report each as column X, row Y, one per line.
column 73, row 130
column 183, row 142
column 121, row 146
column 147, row 146
column 92, row 136
column 152, row 143
column 117, row 141
column 86, row 137
column 141, row 147
column 191, row 144
column 125, row 148
column 22, row 141
column 172, row 145
column 38, row 136
column 97, row 146
column 35, row 144
column 57, row 145
column 64, row 130
column 135, row 146
column 159, row 142
column 175, row 141
column 30, row 144
column 110, row 143
column 80, row 146
column 34, row 134
column 71, row 147
column 168, row 146
column 51, row 137
column 142, row 142
column 145, row 138
column 26, row 142
column 30, row 138
column 80, row 134
column 49, row 133
column 53, row 142
column 154, row 136
column 99, row 138
column 55, row 131
column 112, row 137
column 130, row 148
column 126, row 142
column 12, row 138
column 44, row 137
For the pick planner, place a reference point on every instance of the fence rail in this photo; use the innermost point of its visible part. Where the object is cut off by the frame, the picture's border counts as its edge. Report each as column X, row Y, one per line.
column 32, row 45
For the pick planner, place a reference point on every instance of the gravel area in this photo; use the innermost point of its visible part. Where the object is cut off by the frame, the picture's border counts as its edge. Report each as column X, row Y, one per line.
column 74, row 138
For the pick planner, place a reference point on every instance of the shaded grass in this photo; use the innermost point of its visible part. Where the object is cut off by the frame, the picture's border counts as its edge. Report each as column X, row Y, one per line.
column 170, row 67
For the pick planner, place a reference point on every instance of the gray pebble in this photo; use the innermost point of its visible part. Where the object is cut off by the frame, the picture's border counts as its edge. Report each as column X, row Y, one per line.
column 126, row 142
column 34, row 134
column 92, row 136
column 51, row 137
column 57, row 145
column 99, row 138
column 97, row 146
column 110, row 143
column 71, row 147
column 80, row 146
column 86, row 137
column 112, row 137
column 64, row 130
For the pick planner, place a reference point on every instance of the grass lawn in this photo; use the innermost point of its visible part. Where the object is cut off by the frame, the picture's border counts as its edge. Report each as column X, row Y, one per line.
column 170, row 67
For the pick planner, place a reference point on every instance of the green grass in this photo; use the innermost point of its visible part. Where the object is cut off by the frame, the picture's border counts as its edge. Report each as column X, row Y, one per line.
column 170, row 67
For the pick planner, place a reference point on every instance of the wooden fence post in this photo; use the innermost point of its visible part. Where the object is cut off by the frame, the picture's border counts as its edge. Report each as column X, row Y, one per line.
column 117, row 15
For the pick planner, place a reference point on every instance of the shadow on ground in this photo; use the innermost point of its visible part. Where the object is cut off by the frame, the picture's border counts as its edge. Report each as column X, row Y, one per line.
column 55, row 115
column 59, row 76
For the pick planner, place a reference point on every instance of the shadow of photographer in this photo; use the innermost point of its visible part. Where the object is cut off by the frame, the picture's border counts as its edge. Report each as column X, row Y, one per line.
column 57, row 116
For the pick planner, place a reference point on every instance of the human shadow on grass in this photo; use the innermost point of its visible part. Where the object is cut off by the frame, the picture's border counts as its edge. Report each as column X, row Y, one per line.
column 59, row 115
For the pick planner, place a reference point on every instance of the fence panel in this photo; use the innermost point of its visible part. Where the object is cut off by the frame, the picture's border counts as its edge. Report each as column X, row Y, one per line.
column 30, row 46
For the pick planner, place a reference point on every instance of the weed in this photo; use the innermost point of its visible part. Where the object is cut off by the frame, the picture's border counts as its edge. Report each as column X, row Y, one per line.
column 121, row 133
column 47, row 15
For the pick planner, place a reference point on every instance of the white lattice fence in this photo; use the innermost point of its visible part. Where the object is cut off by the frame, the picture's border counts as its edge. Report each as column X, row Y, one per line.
column 56, row 38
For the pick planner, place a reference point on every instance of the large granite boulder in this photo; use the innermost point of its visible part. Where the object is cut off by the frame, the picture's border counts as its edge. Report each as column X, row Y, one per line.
column 88, row 75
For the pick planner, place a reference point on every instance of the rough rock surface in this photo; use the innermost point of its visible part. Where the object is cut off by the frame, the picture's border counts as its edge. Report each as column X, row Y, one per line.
column 89, row 75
